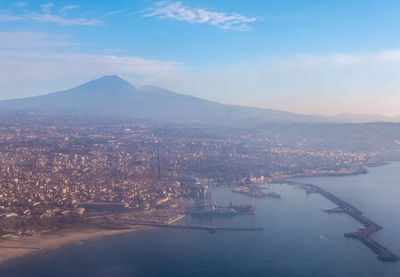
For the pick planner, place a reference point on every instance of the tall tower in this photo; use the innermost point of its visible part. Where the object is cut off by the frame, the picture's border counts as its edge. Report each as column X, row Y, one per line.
column 158, row 163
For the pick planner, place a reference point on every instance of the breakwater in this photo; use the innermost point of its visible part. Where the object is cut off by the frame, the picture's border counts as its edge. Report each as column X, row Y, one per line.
column 126, row 222
column 364, row 232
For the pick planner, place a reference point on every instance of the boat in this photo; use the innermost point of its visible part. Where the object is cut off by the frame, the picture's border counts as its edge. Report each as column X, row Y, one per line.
column 274, row 194
column 243, row 209
column 212, row 210
column 250, row 191
column 322, row 237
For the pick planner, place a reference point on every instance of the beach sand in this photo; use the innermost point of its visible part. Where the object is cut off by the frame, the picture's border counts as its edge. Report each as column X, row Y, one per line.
column 14, row 248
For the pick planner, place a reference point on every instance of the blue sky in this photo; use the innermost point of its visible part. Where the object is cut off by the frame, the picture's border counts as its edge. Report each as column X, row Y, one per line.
column 313, row 57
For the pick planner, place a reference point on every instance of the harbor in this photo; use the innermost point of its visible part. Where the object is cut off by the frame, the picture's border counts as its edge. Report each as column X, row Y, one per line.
column 290, row 242
column 210, row 228
column 205, row 206
column 255, row 191
column 215, row 210
column 364, row 232
column 125, row 221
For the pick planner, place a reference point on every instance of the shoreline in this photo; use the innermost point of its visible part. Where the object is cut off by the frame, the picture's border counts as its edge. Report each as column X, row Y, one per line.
column 11, row 249
column 327, row 173
column 14, row 248
column 338, row 173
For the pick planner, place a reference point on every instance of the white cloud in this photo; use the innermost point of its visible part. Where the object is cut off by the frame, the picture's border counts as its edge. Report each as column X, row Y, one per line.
column 6, row 17
column 47, row 7
column 340, row 59
column 21, row 4
column 48, row 17
column 181, row 12
column 33, row 58
column 33, row 40
column 388, row 56
column 31, row 66
column 114, row 12
column 70, row 7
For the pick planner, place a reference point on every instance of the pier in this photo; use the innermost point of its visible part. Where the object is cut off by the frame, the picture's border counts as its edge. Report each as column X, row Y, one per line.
column 364, row 232
column 124, row 222
column 240, row 229
column 210, row 228
column 250, row 190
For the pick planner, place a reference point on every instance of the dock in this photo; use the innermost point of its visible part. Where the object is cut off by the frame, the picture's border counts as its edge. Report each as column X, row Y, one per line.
column 364, row 232
column 125, row 222
column 172, row 220
column 250, row 190
column 210, row 228
column 240, row 229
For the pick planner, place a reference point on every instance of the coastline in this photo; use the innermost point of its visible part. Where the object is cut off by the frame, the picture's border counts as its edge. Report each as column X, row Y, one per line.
column 340, row 172
column 15, row 248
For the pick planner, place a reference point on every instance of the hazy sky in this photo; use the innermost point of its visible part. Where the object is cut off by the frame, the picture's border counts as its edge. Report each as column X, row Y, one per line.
column 314, row 57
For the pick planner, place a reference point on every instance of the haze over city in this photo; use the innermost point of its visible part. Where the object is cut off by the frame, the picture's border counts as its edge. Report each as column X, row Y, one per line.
column 199, row 138
column 308, row 57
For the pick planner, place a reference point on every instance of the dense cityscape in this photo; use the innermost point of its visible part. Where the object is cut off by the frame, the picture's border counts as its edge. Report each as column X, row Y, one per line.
column 199, row 138
column 57, row 172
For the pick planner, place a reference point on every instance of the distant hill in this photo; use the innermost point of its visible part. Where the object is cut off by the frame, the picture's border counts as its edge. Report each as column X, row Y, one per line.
column 113, row 97
column 363, row 118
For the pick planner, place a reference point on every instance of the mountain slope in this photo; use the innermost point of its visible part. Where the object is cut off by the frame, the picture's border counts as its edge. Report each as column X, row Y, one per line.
column 363, row 118
column 113, row 97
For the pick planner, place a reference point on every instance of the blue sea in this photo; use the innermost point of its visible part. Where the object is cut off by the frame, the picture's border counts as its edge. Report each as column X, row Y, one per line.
column 298, row 239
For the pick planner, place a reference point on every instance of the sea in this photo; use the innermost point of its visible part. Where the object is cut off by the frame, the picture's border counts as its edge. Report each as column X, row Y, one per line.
column 298, row 238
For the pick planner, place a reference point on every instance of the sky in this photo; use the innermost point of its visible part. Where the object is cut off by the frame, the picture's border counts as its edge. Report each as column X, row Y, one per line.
column 322, row 57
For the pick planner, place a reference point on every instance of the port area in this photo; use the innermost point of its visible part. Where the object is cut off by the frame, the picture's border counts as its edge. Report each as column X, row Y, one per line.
column 250, row 190
column 214, row 210
column 364, row 232
column 255, row 191
column 210, row 228
column 124, row 221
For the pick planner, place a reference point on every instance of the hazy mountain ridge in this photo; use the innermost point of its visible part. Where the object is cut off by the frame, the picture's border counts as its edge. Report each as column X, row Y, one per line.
column 113, row 97
column 364, row 118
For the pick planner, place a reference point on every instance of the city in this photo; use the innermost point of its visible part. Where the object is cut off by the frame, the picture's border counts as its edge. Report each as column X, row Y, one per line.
column 199, row 138
column 57, row 173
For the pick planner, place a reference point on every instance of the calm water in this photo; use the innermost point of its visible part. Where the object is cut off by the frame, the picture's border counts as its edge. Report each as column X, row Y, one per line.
column 290, row 244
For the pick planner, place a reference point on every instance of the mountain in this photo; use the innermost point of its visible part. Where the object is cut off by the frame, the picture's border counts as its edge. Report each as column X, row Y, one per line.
column 113, row 97
column 363, row 118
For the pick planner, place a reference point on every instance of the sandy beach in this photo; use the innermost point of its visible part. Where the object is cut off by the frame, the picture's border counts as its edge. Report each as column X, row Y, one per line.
column 14, row 248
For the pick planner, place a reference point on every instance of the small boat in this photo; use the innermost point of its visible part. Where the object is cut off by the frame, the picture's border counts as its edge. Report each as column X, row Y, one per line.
column 274, row 194
column 211, row 211
column 243, row 209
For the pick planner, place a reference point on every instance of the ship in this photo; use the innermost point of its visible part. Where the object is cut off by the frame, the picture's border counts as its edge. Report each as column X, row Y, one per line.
column 243, row 209
column 252, row 191
column 274, row 194
column 212, row 210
